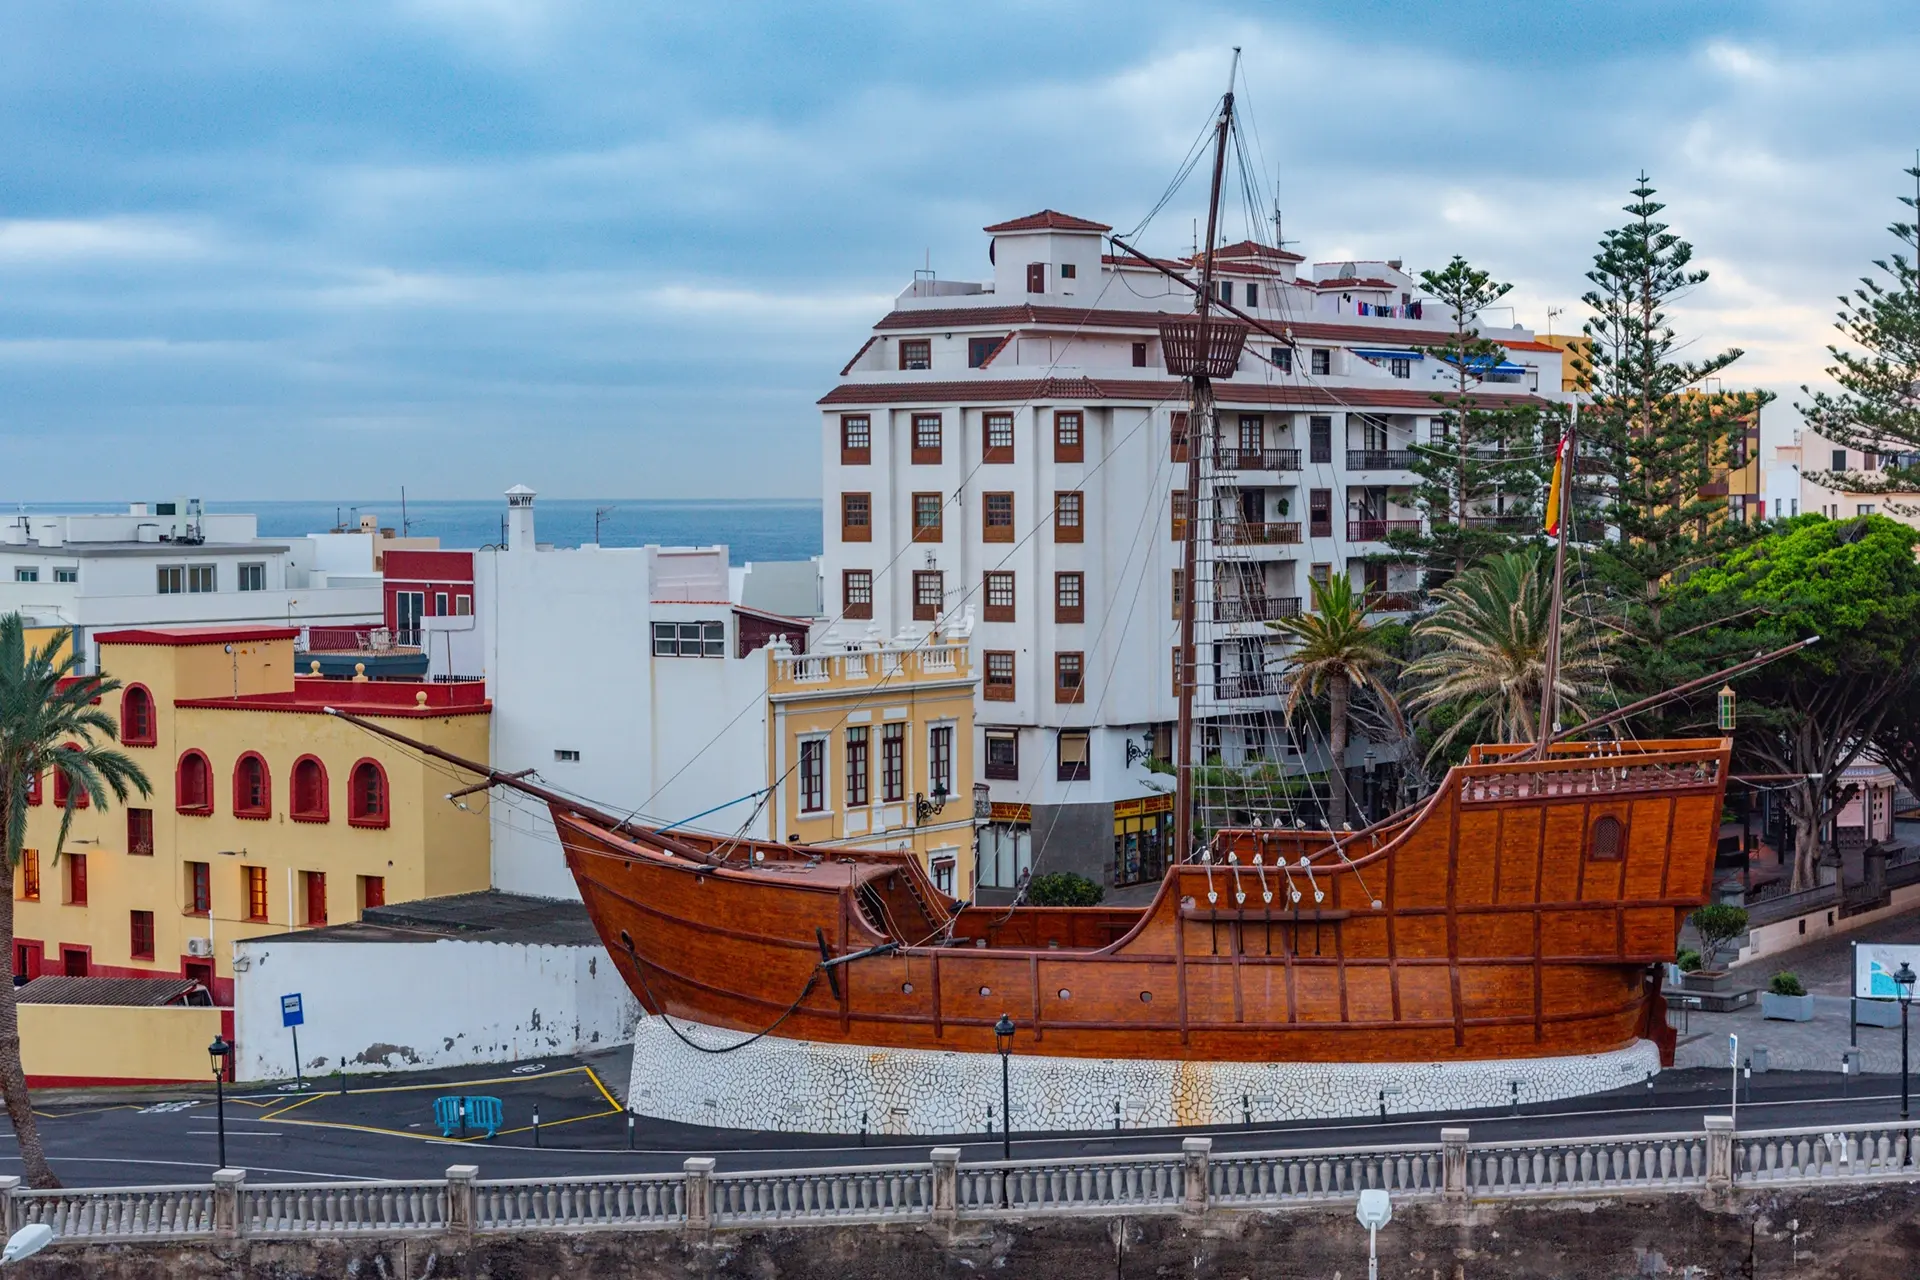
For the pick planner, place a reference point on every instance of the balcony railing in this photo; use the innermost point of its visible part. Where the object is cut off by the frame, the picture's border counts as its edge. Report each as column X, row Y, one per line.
column 1375, row 530
column 1389, row 602
column 1255, row 608
column 1246, row 684
column 1379, row 459
column 1513, row 524
column 1256, row 533
column 1256, row 459
column 361, row 639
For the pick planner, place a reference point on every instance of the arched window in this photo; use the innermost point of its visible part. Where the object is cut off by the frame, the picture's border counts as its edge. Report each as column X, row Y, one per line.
column 252, row 787
column 193, row 784
column 1603, row 842
column 309, row 790
column 137, row 723
column 367, row 795
column 61, row 790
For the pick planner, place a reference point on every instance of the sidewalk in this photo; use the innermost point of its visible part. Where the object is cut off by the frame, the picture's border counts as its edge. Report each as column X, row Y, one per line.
column 1824, row 967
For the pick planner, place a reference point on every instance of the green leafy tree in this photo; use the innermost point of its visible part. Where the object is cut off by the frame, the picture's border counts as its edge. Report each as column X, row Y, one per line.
column 1483, row 477
column 1336, row 651
column 1652, row 441
column 48, row 725
column 1855, row 584
column 1717, row 923
column 1063, row 889
column 1485, row 656
column 1877, row 409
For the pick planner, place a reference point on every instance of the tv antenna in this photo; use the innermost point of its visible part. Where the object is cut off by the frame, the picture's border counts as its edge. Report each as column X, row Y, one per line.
column 600, row 514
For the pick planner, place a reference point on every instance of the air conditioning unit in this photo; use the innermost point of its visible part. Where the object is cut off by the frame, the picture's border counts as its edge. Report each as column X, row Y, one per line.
column 200, row 948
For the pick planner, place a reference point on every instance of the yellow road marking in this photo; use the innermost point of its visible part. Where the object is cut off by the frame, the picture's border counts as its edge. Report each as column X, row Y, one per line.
column 595, row 1077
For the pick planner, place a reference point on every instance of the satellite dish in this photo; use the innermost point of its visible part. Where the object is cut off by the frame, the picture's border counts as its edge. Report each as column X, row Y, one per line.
column 27, row 1241
column 1375, row 1210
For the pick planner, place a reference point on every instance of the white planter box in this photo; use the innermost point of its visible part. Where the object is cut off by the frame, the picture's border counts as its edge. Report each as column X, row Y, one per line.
column 1786, row 1008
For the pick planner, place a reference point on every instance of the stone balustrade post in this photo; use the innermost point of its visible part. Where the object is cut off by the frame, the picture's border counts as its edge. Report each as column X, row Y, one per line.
column 11, row 1218
column 1195, row 1155
column 227, row 1185
column 460, row 1201
column 1720, row 1153
column 946, row 1186
column 699, row 1171
column 1453, row 1164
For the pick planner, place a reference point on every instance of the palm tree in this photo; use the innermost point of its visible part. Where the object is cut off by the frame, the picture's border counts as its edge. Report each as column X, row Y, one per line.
column 49, row 724
column 1488, row 654
column 1336, row 651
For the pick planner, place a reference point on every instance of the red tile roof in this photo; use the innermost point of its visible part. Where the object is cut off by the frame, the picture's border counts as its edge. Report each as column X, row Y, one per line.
column 1141, row 391
column 1512, row 344
column 195, row 635
column 1047, row 220
column 1254, row 249
column 386, row 698
column 1349, row 283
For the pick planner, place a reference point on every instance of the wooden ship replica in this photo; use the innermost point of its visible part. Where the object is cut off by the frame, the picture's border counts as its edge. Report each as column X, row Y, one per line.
column 1525, row 909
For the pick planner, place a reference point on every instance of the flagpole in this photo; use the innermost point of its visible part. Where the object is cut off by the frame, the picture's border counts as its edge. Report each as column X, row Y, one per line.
column 1562, row 506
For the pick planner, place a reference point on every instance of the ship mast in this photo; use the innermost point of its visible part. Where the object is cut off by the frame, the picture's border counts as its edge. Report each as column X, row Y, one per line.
column 1561, row 503
column 1199, row 420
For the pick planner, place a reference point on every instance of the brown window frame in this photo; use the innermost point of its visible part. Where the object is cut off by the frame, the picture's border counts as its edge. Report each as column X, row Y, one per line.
column 1139, row 355
column 849, row 606
column 849, row 530
column 253, row 882
column 1177, row 519
column 990, row 425
column 1077, row 582
column 1036, row 277
column 1071, row 771
column 1069, row 435
column 859, row 779
column 139, row 832
column 1069, row 515
column 1319, row 438
column 140, row 931
column 922, row 348
column 928, row 532
column 990, row 585
column 1072, row 661
column 996, row 516
column 76, row 879
column 851, row 454
column 893, row 762
column 1177, row 438
column 1179, row 587
column 922, row 454
column 996, row 687
column 812, row 773
column 928, row 611
column 199, row 888
column 1320, row 517
column 1001, row 772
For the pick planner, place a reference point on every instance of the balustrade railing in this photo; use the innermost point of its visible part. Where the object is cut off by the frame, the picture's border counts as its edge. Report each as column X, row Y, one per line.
column 867, row 663
column 1255, row 608
column 1583, row 779
column 1374, row 530
column 1229, row 459
column 944, row 1190
column 1256, row 533
column 1379, row 459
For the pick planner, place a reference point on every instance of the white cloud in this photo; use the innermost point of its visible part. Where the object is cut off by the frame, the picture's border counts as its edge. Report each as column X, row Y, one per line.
column 48, row 241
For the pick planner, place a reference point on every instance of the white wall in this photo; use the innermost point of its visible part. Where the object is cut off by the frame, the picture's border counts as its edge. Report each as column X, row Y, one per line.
column 400, row 1005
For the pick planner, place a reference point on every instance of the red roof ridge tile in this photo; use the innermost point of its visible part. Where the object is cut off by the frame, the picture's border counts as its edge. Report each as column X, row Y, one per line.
column 194, row 635
column 1047, row 220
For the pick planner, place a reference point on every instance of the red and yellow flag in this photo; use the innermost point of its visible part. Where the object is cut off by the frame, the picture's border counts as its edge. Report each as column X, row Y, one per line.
column 1553, row 492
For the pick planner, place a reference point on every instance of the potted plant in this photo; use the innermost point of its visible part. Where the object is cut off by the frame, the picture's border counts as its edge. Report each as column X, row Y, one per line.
column 1717, row 924
column 1786, row 999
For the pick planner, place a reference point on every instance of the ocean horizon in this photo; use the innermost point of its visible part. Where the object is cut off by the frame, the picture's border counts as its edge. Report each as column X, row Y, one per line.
column 750, row 528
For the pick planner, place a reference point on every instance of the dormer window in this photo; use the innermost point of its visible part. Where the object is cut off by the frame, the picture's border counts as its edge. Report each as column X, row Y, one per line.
column 916, row 353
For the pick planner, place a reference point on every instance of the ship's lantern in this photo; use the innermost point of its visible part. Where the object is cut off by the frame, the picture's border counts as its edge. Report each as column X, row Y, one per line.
column 1726, row 708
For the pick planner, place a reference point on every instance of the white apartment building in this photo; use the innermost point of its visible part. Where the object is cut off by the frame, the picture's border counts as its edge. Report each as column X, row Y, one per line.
column 170, row 564
column 1015, row 450
column 626, row 675
column 1813, row 454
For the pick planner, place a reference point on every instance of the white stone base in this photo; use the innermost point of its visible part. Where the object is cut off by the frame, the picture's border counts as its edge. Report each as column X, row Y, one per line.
column 804, row 1087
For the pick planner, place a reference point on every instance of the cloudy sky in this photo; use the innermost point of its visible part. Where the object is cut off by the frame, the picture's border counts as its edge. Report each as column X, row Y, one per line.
column 255, row 250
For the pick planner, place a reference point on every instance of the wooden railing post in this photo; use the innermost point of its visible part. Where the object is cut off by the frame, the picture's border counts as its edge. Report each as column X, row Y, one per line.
column 1720, row 1153
column 946, row 1187
column 1453, row 1164
column 699, row 1171
column 227, row 1186
column 1195, row 1154
column 460, row 1201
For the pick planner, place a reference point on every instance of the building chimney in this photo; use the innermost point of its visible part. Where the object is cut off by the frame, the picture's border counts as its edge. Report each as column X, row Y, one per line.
column 519, row 518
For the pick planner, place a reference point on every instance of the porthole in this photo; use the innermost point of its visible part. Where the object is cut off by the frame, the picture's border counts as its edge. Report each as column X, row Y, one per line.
column 986, row 991
column 1146, row 997
column 626, row 939
column 1065, row 994
column 906, row 988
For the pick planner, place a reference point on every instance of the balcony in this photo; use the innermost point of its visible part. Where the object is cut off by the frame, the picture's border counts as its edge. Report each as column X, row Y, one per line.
column 1226, row 459
column 1246, row 684
column 1256, row 533
column 1379, row 459
column 1255, row 608
column 1375, row 530
column 1389, row 602
column 1505, row 524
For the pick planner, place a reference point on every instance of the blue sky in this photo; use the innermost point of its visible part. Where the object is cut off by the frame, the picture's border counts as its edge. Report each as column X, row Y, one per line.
column 256, row 250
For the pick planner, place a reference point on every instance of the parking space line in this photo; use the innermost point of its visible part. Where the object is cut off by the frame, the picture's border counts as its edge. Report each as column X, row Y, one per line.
column 595, row 1077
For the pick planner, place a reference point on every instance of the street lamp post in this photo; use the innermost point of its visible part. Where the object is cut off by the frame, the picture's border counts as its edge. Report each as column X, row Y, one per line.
column 218, row 1051
column 1903, row 979
column 1003, row 1041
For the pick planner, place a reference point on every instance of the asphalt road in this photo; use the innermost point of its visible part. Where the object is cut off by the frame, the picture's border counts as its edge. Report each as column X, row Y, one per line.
column 387, row 1130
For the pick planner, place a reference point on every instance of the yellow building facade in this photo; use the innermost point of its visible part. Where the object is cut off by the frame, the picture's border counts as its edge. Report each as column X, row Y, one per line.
column 871, row 745
column 266, row 814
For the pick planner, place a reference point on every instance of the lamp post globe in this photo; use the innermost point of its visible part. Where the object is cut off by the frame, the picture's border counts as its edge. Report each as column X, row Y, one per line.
column 218, row 1052
column 1903, row 979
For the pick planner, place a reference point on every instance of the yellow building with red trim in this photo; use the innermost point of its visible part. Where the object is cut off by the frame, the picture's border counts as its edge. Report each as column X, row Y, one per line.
column 871, row 745
column 266, row 815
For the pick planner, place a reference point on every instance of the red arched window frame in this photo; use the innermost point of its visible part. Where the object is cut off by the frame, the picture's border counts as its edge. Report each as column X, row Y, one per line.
column 193, row 784
column 139, row 727
column 60, row 787
column 252, row 787
column 308, row 790
column 369, row 804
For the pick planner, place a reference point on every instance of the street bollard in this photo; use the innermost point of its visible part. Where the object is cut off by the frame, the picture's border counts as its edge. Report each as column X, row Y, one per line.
column 536, row 1124
column 463, row 1119
column 629, row 1130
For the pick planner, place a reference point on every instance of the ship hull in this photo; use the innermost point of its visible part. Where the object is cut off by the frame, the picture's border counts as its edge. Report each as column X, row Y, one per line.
column 1522, row 913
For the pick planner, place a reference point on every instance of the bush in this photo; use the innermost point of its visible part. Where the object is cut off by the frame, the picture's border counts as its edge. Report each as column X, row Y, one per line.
column 1718, row 924
column 1786, row 983
column 1688, row 960
column 1063, row 889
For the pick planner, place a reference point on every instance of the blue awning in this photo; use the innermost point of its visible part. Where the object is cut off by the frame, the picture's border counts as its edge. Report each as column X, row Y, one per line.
column 1484, row 365
column 1389, row 355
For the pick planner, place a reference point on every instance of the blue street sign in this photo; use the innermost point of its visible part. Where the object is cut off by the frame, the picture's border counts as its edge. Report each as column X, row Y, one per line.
column 290, row 1014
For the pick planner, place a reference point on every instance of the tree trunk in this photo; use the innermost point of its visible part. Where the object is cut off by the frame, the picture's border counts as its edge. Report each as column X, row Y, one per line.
column 1338, row 694
column 1804, row 804
column 13, row 1077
